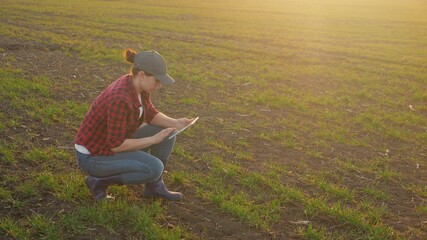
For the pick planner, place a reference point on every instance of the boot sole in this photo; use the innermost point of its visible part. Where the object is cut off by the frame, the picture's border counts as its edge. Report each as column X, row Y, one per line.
column 162, row 197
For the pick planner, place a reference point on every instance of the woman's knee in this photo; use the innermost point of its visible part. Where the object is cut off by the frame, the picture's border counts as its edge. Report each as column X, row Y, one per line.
column 171, row 141
column 157, row 168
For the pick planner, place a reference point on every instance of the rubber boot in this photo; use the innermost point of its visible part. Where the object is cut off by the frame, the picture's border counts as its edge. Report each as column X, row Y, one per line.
column 158, row 189
column 98, row 186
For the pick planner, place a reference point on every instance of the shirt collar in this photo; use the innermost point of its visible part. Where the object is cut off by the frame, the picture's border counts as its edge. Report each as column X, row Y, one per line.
column 134, row 94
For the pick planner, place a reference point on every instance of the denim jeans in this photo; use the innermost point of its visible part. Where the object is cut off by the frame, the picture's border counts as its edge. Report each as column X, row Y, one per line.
column 141, row 166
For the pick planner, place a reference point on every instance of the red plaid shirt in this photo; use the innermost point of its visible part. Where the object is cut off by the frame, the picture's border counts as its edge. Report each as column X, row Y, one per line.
column 114, row 117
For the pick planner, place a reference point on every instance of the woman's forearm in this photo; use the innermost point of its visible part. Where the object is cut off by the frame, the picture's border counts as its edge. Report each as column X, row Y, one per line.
column 134, row 144
column 161, row 120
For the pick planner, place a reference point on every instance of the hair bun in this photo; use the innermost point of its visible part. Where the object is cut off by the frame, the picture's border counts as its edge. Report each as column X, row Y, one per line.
column 129, row 55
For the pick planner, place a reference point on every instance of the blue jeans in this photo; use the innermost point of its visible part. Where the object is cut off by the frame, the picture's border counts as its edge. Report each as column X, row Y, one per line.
column 141, row 166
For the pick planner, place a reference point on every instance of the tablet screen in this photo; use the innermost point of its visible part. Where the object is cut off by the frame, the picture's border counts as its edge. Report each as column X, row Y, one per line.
column 178, row 132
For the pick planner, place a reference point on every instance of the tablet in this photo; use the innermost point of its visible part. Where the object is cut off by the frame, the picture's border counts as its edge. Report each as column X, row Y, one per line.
column 178, row 132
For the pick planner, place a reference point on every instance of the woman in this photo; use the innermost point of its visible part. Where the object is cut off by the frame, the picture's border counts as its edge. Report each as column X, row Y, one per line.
column 112, row 144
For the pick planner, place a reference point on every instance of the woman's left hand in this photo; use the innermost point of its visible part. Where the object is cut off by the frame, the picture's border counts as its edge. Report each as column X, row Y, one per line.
column 182, row 122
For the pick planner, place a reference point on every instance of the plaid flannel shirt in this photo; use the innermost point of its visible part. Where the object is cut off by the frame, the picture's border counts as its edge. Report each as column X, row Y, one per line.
column 114, row 117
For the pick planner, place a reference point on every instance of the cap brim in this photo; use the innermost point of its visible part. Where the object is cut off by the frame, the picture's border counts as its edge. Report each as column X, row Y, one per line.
column 165, row 79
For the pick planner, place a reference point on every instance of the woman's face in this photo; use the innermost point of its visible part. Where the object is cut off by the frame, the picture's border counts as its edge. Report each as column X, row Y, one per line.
column 148, row 83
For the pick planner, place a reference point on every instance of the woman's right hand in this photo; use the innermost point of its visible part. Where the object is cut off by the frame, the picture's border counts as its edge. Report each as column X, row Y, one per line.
column 160, row 136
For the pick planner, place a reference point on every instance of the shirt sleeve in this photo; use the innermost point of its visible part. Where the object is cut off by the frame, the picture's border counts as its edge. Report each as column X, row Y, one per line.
column 116, row 122
column 150, row 111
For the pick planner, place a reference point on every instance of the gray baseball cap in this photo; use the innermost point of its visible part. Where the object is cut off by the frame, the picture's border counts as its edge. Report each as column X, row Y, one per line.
column 153, row 63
